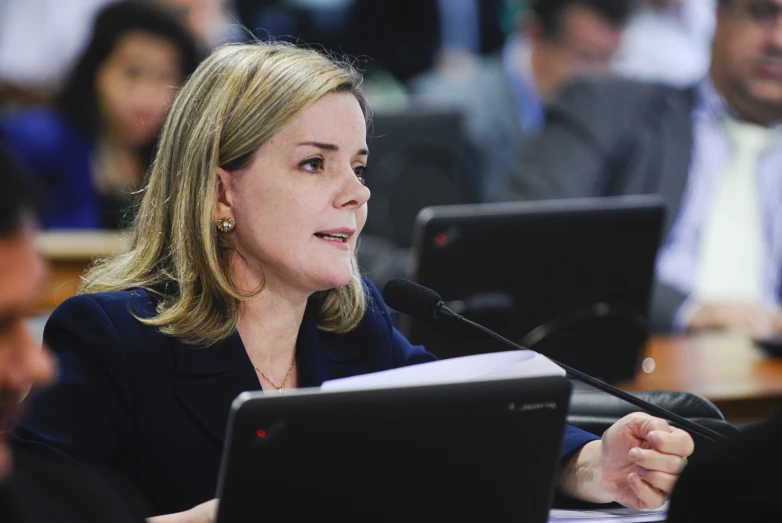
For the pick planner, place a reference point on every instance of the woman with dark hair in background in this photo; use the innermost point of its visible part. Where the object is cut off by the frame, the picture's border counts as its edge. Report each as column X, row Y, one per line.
column 90, row 149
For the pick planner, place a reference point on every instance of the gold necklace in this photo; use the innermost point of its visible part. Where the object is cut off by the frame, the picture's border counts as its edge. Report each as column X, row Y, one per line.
column 284, row 380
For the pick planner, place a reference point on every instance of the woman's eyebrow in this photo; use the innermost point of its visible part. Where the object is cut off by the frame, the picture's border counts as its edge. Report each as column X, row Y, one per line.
column 330, row 147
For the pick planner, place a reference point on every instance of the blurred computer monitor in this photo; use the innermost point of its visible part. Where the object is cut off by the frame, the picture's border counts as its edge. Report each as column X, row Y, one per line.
column 570, row 279
column 415, row 161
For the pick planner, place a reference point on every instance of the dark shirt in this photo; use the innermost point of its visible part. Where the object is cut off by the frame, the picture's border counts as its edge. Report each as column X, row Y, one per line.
column 55, row 490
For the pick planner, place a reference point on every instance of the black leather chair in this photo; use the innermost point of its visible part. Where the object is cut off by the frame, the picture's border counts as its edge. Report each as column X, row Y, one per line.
column 595, row 411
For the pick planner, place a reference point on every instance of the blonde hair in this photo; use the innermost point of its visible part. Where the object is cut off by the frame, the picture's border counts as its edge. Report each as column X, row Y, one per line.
column 238, row 98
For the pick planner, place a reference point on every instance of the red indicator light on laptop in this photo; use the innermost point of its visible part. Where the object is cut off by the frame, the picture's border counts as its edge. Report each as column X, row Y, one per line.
column 260, row 433
column 440, row 239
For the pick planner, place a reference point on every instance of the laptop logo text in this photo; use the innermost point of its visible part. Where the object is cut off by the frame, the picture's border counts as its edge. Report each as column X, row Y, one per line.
column 528, row 407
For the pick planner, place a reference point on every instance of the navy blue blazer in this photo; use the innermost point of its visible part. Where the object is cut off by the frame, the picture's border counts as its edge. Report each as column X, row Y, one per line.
column 157, row 409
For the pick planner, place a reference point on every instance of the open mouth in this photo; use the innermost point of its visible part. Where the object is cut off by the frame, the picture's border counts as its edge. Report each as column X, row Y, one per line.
column 333, row 237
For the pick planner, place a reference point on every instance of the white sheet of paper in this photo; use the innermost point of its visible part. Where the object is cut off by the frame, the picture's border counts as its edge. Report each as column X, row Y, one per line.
column 613, row 515
column 480, row 367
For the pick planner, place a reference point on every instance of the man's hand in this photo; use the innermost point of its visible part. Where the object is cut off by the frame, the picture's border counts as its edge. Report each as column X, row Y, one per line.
column 734, row 316
column 636, row 463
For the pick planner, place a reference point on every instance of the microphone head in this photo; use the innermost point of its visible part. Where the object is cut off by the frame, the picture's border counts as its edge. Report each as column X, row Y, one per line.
column 412, row 299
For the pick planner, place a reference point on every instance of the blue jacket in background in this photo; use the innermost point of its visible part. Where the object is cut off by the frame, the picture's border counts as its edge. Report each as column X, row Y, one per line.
column 57, row 155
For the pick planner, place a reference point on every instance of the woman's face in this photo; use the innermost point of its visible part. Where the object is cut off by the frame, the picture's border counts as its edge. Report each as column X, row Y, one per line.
column 301, row 203
column 135, row 86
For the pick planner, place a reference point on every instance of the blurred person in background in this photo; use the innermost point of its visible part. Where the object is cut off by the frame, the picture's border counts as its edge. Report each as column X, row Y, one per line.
column 32, row 489
column 39, row 42
column 90, row 149
column 320, row 22
column 211, row 22
column 404, row 38
column 552, row 42
column 712, row 151
column 668, row 41
column 394, row 39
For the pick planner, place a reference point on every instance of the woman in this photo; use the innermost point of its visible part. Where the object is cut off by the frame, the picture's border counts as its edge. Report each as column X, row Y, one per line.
column 242, row 276
column 89, row 151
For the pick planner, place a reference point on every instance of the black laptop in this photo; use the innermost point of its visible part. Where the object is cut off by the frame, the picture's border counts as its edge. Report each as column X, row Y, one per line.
column 473, row 451
column 568, row 278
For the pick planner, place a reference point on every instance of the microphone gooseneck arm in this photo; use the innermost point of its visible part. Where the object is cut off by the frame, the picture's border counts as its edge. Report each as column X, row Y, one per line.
column 441, row 311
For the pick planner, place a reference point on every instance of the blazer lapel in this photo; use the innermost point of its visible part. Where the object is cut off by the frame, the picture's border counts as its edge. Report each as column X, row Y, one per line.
column 311, row 364
column 211, row 378
column 322, row 356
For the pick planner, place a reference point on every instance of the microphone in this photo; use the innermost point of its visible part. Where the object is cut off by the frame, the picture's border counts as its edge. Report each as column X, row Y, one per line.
column 423, row 303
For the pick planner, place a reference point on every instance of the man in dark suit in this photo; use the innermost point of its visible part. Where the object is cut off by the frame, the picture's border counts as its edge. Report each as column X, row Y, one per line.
column 734, row 481
column 712, row 151
column 31, row 489
column 503, row 97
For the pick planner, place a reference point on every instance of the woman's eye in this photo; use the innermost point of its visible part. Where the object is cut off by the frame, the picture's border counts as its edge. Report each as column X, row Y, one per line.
column 361, row 172
column 312, row 165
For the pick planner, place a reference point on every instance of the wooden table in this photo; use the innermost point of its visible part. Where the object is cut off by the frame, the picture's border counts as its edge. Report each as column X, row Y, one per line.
column 69, row 253
column 738, row 377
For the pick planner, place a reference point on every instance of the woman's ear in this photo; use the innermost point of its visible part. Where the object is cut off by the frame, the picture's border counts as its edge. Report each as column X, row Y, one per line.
column 224, row 207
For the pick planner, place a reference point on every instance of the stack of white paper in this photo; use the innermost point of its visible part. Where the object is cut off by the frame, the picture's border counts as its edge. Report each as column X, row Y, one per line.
column 480, row 367
column 613, row 515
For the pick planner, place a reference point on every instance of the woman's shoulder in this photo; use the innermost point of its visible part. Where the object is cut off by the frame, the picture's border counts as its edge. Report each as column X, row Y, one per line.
column 103, row 333
column 117, row 307
column 135, row 296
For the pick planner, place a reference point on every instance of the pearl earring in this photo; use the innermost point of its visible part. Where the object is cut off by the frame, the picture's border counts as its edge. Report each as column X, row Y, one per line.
column 225, row 224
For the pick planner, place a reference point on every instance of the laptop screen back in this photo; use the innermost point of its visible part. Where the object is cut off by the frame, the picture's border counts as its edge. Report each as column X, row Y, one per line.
column 481, row 451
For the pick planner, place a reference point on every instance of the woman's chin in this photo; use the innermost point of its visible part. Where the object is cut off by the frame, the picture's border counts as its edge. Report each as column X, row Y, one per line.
column 335, row 279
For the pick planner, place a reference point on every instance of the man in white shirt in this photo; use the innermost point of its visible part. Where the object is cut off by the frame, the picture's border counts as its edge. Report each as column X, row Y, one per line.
column 712, row 151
